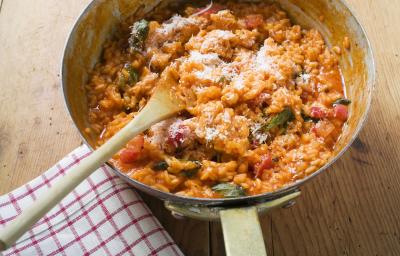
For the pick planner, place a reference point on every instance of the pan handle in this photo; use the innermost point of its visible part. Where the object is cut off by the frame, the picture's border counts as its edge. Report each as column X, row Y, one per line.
column 241, row 226
column 242, row 232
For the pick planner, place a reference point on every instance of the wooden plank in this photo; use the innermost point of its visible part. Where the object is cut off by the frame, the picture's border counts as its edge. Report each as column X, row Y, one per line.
column 35, row 129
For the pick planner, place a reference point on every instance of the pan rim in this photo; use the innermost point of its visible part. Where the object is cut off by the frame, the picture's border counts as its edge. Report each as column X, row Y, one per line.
column 371, row 82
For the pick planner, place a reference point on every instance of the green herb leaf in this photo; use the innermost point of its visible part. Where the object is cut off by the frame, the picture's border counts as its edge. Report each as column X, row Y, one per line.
column 282, row 130
column 341, row 101
column 282, row 118
column 229, row 190
column 121, row 80
column 160, row 166
column 139, row 32
column 133, row 74
column 192, row 172
column 223, row 80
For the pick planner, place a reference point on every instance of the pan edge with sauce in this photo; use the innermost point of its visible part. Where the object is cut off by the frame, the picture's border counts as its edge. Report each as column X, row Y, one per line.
column 100, row 19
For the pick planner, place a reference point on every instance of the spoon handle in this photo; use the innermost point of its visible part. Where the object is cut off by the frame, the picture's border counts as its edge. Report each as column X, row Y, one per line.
column 158, row 108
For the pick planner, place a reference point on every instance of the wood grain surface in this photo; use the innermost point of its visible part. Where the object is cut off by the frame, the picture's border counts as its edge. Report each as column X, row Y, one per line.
column 351, row 209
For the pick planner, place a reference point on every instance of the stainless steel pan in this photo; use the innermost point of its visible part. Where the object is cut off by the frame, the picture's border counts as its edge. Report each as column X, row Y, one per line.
column 98, row 22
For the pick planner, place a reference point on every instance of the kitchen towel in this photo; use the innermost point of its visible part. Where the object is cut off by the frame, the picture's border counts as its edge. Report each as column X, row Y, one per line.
column 102, row 216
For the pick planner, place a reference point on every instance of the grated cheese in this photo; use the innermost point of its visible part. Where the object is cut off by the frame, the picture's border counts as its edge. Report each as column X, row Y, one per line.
column 267, row 63
column 209, row 61
column 238, row 83
column 258, row 135
column 175, row 129
column 304, row 78
column 222, row 34
column 211, row 133
column 214, row 68
column 226, row 117
column 205, row 74
column 206, row 59
column 159, row 132
column 228, row 71
column 175, row 23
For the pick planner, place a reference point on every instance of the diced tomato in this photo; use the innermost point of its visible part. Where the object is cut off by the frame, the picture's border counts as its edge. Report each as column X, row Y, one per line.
column 323, row 128
column 341, row 112
column 132, row 151
column 253, row 20
column 136, row 143
column 177, row 134
column 317, row 112
column 314, row 129
column 213, row 9
column 128, row 155
column 265, row 164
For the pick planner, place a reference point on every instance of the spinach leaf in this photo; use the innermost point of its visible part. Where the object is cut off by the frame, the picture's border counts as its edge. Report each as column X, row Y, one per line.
column 139, row 32
column 282, row 118
column 229, row 190
column 341, row 101
column 160, row 166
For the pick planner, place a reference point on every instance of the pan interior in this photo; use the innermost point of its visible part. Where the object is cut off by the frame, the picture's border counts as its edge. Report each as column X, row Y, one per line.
column 100, row 19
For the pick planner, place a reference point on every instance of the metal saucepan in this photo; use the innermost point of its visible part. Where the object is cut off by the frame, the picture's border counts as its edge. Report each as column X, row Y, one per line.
column 98, row 22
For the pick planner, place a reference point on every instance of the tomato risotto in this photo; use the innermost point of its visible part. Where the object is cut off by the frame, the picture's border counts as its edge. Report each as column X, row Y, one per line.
column 265, row 99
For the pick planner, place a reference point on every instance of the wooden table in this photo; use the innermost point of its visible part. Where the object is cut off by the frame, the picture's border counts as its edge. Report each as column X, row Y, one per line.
column 351, row 209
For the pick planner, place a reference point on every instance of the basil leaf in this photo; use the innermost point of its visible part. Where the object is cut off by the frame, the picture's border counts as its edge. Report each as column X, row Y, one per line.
column 282, row 118
column 341, row 101
column 229, row 190
column 139, row 32
column 160, row 166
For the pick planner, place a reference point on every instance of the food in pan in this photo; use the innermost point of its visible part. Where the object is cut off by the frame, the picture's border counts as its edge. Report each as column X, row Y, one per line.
column 265, row 99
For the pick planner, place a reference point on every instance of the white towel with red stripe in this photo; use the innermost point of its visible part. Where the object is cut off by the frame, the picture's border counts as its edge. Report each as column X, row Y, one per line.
column 102, row 216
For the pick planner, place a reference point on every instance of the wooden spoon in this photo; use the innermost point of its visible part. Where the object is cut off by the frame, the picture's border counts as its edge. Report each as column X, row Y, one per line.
column 162, row 105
